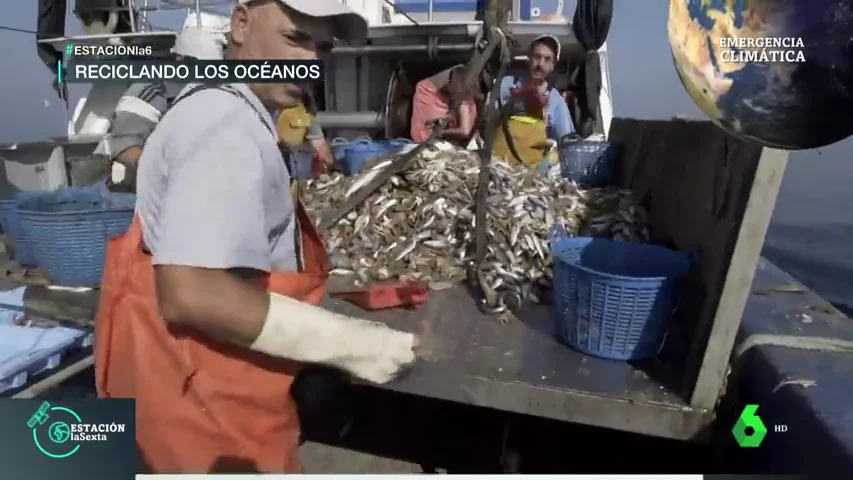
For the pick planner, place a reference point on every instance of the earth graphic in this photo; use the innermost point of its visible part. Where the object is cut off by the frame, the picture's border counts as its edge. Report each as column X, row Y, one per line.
column 784, row 105
column 59, row 432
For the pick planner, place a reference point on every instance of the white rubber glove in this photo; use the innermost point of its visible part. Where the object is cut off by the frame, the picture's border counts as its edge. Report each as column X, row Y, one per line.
column 368, row 350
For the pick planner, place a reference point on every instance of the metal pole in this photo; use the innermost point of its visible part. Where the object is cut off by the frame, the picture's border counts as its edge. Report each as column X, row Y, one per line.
column 144, row 15
column 358, row 120
column 429, row 13
column 132, row 12
column 198, row 13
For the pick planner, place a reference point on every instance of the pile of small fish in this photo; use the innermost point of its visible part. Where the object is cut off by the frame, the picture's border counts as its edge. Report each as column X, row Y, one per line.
column 420, row 224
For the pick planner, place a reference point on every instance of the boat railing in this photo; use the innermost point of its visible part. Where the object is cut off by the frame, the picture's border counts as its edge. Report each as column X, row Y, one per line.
column 147, row 27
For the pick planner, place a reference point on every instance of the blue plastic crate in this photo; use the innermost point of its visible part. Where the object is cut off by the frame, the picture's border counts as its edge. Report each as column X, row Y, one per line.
column 357, row 153
column 397, row 144
column 590, row 164
column 11, row 222
column 70, row 228
column 29, row 351
column 338, row 147
column 615, row 299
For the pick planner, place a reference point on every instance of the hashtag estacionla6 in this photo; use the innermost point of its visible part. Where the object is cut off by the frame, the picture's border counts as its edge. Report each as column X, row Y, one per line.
column 109, row 50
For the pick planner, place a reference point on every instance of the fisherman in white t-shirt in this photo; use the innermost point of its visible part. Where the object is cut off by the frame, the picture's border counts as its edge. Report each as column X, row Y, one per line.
column 212, row 301
column 143, row 104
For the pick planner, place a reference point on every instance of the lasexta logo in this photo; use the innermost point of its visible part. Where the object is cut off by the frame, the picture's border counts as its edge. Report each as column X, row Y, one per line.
column 749, row 431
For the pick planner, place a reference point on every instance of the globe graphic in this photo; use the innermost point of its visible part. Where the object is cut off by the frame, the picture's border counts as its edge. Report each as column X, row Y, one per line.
column 784, row 105
column 59, row 432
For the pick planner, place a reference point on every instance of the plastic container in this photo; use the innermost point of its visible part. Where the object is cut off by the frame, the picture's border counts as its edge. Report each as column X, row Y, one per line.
column 590, row 164
column 359, row 152
column 397, row 144
column 25, row 253
column 338, row 146
column 613, row 299
column 70, row 227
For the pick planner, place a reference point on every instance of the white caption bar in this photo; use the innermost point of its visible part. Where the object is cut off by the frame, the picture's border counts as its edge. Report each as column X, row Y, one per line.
column 410, row 476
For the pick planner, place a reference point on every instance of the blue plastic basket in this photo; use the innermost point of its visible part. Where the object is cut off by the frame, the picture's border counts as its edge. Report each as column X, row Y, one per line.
column 397, row 144
column 10, row 220
column 591, row 164
column 359, row 152
column 615, row 299
column 338, row 146
column 70, row 227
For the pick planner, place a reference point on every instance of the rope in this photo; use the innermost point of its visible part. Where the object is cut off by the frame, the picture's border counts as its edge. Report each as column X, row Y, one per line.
column 18, row 30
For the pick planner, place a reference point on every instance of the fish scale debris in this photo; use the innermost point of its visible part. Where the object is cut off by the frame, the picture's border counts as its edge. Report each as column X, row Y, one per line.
column 420, row 225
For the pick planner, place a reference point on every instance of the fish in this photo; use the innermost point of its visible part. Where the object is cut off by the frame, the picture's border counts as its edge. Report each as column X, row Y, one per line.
column 420, row 224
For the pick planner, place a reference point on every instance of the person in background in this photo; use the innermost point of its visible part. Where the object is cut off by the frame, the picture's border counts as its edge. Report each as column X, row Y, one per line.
column 317, row 139
column 536, row 111
column 297, row 126
column 432, row 100
column 210, row 304
column 143, row 104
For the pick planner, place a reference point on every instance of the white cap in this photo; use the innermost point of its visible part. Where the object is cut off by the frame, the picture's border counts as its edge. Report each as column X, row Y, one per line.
column 192, row 42
column 549, row 39
column 347, row 24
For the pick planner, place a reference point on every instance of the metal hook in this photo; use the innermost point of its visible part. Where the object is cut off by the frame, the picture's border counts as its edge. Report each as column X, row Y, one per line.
column 512, row 300
column 487, row 309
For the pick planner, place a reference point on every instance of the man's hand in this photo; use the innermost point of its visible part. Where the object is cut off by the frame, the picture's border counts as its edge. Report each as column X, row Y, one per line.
column 129, row 157
column 306, row 333
column 323, row 151
column 443, row 122
column 385, row 351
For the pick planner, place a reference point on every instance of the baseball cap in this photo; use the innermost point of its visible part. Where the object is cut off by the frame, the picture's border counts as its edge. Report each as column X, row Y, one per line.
column 347, row 24
column 552, row 41
column 192, row 42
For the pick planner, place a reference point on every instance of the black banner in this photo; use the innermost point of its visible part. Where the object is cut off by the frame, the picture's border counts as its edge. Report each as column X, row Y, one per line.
column 87, row 70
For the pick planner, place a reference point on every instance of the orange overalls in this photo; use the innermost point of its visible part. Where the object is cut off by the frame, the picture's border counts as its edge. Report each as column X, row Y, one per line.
column 201, row 406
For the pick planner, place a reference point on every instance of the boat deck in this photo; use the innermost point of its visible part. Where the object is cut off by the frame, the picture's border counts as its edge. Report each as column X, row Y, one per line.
column 471, row 358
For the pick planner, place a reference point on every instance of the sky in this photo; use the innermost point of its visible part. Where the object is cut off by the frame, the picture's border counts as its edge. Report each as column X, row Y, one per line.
column 812, row 225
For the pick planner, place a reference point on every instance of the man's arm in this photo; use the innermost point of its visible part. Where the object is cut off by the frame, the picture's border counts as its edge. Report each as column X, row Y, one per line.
column 137, row 114
column 466, row 117
column 211, row 223
column 318, row 141
column 418, row 130
column 560, row 118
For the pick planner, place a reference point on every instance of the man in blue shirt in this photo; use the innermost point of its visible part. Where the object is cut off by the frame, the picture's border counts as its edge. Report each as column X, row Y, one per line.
column 535, row 112
column 542, row 58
